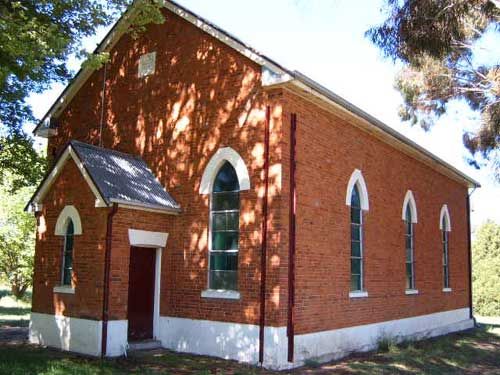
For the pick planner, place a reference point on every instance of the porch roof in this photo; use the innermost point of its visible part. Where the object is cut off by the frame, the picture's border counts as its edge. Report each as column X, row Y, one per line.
column 115, row 177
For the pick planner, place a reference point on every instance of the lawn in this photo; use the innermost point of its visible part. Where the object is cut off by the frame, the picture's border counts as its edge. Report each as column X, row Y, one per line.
column 472, row 352
column 14, row 313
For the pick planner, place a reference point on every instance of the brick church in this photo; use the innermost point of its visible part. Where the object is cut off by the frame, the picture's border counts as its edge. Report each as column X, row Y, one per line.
column 205, row 199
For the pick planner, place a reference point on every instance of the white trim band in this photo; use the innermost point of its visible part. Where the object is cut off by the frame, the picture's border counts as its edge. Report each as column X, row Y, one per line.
column 241, row 341
column 357, row 180
column 67, row 213
column 445, row 214
column 78, row 335
column 358, row 294
column 218, row 159
column 220, row 294
column 64, row 289
column 410, row 199
column 143, row 238
column 411, row 291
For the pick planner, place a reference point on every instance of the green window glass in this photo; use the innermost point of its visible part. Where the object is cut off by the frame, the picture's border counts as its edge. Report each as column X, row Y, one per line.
column 225, row 219
column 67, row 269
column 356, row 242
column 446, row 269
column 409, row 247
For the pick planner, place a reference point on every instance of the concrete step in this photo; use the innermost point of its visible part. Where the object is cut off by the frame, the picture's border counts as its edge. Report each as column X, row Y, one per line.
column 144, row 345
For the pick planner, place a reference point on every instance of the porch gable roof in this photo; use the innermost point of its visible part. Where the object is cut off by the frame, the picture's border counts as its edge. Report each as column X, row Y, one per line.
column 113, row 177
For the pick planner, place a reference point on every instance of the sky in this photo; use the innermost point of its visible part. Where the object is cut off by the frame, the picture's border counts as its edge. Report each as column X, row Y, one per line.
column 325, row 40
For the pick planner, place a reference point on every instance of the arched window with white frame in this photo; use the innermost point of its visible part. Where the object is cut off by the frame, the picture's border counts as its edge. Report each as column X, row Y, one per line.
column 445, row 227
column 68, row 225
column 224, row 178
column 409, row 216
column 224, row 222
column 67, row 259
column 357, row 199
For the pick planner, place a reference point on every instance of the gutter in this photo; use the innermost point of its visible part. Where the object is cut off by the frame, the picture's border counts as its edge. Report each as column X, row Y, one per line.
column 308, row 85
column 292, row 238
column 147, row 206
column 263, row 256
column 469, row 246
column 107, row 271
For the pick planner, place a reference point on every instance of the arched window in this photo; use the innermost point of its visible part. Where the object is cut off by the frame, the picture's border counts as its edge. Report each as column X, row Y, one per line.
column 446, row 269
column 67, row 264
column 357, row 199
column 410, row 249
column 356, row 241
column 224, row 237
column 445, row 226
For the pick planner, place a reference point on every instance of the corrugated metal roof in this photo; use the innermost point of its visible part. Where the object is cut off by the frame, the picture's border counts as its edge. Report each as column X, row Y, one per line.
column 123, row 178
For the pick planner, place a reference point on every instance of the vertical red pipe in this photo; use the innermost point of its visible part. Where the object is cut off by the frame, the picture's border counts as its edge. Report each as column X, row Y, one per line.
column 292, row 239
column 471, row 315
column 107, row 268
column 263, row 256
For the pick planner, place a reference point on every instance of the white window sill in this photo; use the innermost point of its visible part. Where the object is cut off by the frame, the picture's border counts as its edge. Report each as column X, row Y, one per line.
column 358, row 294
column 447, row 290
column 63, row 289
column 410, row 292
column 220, row 294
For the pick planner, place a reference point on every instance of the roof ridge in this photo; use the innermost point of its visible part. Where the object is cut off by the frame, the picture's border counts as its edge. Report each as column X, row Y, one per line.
column 78, row 143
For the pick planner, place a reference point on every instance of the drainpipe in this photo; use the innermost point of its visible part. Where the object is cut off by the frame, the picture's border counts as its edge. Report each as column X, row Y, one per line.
column 263, row 256
column 471, row 315
column 107, row 268
column 292, row 237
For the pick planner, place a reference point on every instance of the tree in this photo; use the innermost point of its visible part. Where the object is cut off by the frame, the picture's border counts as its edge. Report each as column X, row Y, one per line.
column 434, row 39
column 36, row 39
column 18, row 155
column 486, row 270
column 17, row 239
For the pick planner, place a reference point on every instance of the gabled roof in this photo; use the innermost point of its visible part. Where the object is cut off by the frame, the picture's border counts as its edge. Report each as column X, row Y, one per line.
column 273, row 75
column 113, row 177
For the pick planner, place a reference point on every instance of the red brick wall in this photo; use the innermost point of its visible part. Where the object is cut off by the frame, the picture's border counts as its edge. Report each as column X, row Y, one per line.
column 202, row 97
column 88, row 252
column 328, row 151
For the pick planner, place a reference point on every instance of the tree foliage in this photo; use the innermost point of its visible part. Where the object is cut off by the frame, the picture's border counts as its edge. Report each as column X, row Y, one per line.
column 434, row 41
column 17, row 239
column 486, row 270
column 36, row 39
column 18, row 154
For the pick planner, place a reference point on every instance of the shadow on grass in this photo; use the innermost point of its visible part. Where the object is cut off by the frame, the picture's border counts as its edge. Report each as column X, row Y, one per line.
column 14, row 316
column 475, row 351
column 471, row 352
column 27, row 360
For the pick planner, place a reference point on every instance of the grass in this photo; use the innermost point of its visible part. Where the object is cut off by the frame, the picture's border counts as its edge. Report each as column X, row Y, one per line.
column 14, row 313
column 472, row 352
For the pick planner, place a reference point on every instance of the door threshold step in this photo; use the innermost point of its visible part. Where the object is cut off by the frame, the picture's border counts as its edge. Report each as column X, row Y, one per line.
column 144, row 345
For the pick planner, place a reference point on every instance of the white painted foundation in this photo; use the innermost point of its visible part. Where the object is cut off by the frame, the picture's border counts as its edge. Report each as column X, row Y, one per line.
column 241, row 341
column 65, row 333
column 77, row 335
column 331, row 345
column 116, row 345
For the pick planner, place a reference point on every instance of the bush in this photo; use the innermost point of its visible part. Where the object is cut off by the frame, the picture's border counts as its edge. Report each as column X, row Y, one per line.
column 486, row 270
column 17, row 240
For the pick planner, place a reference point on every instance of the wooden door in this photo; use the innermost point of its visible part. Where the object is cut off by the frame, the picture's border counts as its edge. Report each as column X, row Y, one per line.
column 141, row 290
